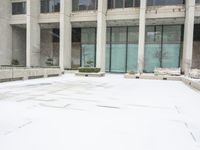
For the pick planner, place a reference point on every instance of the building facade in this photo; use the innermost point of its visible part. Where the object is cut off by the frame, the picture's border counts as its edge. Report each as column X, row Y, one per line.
column 114, row 35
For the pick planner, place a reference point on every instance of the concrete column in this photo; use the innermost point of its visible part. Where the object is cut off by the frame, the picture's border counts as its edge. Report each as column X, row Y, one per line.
column 5, row 33
column 141, row 43
column 32, row 33
column 65, row 34
column 101, row 35
column 188, row 36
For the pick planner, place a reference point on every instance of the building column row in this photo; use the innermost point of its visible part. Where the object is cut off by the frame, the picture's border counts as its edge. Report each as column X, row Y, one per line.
column 33, row 34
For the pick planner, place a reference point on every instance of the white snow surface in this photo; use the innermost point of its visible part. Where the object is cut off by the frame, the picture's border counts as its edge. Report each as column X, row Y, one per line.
column 109, row 113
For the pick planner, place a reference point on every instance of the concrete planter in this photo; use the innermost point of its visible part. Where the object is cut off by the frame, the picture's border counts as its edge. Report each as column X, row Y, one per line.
column 168, row 71
column 100, row 74
column 194, row 73
column 8, row 74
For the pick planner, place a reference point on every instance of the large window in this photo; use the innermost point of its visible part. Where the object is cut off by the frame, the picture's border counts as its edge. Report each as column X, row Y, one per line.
column 123, row 3
column 19, row 8
column 164, row 2
column 122, row 49
column 197, row 1
column 49, row 6
column 78, row 5
column 162, row 47
column 88, row 47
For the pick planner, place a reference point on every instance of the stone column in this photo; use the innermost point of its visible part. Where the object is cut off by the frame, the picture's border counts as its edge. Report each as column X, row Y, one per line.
column 5, row 33
column 32, row 33
column 101, row 35
column 188, row 36
column 141, row 43
column 65, row 34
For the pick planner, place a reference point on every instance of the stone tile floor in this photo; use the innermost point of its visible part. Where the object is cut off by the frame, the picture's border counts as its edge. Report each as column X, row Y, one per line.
column 109, row 113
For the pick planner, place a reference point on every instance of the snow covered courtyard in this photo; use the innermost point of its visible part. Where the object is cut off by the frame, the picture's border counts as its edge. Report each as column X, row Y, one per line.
column 109, row 113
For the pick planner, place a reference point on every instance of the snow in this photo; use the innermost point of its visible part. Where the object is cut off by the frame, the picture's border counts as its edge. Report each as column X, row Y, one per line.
column 109, row 113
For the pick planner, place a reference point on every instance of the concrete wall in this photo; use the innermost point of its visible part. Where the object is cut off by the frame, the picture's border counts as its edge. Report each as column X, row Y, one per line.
column 19, row 45
column 5, row 33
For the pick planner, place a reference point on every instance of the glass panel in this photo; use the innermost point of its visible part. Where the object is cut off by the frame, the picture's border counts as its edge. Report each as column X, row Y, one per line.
column 48, row 6
column 172, row 34
column 84, row 5
column 110, row 4
column 19, row 8
column 170, row 55
column 128, row 3
column 118, row 3
column 133, row 33
column 119, row 35
column 164, row 2
column 91, row 5
column 88, row 46
column 137, row 3
column 153, row 34
column 171, row 46
column 88, row 53
column 88, row 35
column 108, row 35
column 107, row 57
column 132, row 57
column 197, row 1
column 152, row 57
column 75, row 5
column 118, row 58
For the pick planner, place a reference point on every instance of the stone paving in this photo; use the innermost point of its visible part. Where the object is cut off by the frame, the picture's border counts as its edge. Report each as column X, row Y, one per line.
column 106, row 113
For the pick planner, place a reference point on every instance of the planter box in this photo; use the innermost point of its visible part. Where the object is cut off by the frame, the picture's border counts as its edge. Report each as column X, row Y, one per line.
column 195, row 73
column 100, row 74
column 168, row 71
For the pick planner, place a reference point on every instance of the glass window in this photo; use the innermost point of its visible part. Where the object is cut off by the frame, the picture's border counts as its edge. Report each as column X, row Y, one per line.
column 84, row 5
column 128, row 3
column 88, row 47
column 133, row 33
column 153, row 34
column 164, row 2
column 172, row 34
column 197, row 1
column 119, row 3
column 110, row 4
column 56, row 35
column 196, row 32
column 119, row 35
column 48, row 6
column 123, row 3
column 19, row 8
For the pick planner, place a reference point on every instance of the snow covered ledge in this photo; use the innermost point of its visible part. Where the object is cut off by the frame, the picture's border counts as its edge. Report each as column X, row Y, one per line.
column 194, row 73
column 12, row 73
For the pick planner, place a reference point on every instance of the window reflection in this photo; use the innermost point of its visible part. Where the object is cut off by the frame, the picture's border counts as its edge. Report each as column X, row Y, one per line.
column 123, row 3
column 48, row 6
column 19, row 8
column 164, row 2
column 84, row 5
